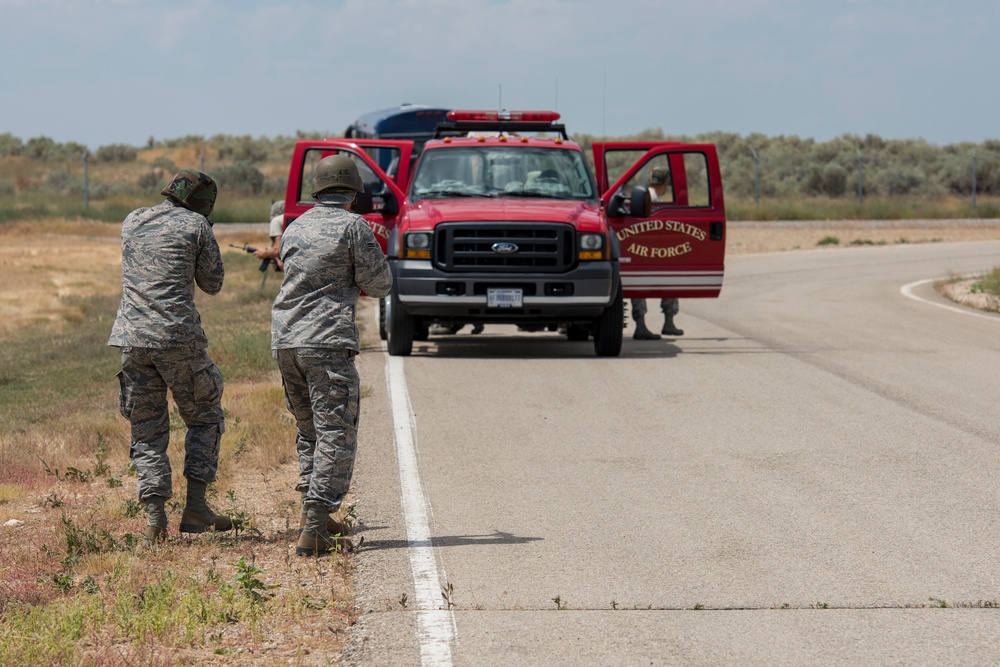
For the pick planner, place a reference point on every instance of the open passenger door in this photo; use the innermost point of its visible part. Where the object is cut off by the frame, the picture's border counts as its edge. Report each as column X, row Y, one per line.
column 385, row 170
column 664, row 203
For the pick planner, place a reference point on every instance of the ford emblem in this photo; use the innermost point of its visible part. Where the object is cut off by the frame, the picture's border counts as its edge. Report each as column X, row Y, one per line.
column 504, row 248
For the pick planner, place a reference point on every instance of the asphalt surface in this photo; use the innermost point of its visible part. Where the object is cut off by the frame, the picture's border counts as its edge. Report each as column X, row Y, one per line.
column 808, row 476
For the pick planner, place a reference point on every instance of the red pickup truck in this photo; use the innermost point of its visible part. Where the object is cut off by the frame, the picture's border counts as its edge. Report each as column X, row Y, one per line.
column 501, row 219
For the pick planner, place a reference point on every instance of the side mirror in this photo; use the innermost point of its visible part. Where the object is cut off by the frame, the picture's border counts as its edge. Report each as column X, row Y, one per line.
column 390, row 205
column 616, row 205
column 641, row 204
column 363, row 202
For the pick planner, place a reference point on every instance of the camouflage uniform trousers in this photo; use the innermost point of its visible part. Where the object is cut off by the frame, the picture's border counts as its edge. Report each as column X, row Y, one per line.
column 196, row 386
column 668, row 306
column 323, row 393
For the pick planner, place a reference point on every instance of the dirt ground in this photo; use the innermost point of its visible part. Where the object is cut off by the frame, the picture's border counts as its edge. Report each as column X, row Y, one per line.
column 43, row 266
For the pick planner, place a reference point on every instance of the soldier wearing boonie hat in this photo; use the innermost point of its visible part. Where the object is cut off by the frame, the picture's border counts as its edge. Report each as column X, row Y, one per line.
column 167, row 250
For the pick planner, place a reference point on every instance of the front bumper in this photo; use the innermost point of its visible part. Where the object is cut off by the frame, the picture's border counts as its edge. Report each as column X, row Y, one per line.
column 583, row 292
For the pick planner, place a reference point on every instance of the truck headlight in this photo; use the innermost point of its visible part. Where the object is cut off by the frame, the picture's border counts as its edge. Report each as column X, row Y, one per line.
column 418, row 245
column 591, row 246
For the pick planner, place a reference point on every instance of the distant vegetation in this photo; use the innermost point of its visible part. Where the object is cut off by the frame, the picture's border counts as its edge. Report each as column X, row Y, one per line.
column 795, row 178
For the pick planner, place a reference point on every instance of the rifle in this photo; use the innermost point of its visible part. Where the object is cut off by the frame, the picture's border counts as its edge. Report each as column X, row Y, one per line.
column 250, row 249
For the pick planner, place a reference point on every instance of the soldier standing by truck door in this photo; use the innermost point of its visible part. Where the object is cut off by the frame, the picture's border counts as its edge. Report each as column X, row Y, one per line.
column 330, row 255
column 670, row 307
column 166, row 251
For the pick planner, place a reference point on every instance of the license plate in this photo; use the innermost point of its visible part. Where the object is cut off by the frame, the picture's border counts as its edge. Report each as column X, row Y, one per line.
column 504, row 298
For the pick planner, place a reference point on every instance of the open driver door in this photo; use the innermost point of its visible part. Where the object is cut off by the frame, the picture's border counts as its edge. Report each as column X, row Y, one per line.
column 384, row 166
column 665, row 206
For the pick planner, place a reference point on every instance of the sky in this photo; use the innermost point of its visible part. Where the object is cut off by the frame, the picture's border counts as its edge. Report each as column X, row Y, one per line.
column 103, row 72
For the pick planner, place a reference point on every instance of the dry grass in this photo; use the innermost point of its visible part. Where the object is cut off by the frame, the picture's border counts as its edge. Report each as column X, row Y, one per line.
column 75, row 587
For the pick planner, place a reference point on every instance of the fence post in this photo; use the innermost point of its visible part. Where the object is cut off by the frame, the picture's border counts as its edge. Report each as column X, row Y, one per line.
column 756, row 176
column 86, row 183
column 861, row 175
column 973, row 178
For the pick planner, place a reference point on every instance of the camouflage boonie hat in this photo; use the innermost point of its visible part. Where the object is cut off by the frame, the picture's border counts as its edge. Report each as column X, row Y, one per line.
column 658, row 177
column 337, row 172
column 193, row 190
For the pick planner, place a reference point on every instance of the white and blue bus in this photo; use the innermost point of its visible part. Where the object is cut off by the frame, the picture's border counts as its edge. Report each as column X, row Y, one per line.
column 407, row 121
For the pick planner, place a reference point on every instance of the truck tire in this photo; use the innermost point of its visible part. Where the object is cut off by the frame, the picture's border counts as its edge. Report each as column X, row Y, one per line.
column 399, row 326
column 608, row 328
column 382, row 333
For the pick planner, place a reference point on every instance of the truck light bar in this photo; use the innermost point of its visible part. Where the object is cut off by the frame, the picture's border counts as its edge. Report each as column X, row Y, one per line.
column 463, row 121
column 511, row 116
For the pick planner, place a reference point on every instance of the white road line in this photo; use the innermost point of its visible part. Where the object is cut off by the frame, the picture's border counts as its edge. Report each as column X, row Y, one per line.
column 907, row 291
column 435, row 626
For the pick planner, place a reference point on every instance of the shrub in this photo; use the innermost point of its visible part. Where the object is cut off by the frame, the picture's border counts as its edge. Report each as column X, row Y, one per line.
column 240, row 177
column 154, row 179
column 166, row 164
column 9, row 145
column 116, row 153
column 243, row 149
column 64, row 182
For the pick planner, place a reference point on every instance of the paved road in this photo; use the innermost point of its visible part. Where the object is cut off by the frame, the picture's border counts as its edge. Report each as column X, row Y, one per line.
column 805, row 478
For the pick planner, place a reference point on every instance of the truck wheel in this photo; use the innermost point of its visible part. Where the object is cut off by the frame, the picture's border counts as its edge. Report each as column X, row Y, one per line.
column 400, row 328
column 608, row 329
column 382, row 333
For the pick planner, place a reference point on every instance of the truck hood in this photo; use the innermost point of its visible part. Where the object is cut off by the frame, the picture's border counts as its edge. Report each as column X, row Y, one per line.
column 428, row 214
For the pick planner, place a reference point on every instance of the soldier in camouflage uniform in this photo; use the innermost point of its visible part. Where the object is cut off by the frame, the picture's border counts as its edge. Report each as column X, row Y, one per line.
column 167, row 250
column 330, row 255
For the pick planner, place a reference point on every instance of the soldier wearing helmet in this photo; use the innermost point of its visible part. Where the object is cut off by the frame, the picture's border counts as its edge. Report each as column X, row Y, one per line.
column 167, row 250
column 659, row 192
column 330, row 255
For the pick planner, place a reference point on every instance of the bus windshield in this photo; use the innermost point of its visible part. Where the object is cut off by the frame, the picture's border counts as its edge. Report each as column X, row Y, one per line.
column 500, row 171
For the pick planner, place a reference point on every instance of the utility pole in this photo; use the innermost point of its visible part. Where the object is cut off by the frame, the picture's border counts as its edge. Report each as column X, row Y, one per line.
column 756, row 176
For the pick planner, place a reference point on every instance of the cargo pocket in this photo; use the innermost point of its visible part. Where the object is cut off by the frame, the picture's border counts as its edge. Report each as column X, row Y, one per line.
column 208, row 383
column 125, row 402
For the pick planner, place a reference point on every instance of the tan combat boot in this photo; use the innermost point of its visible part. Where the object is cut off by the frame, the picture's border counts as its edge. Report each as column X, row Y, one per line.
column 333, row 526
column 641, row 332
column 154, row 535
column 156, row 521
column 198, row 517
column 315, row 539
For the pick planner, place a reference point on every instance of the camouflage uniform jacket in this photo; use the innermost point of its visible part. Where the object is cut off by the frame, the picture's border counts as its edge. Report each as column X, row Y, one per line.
column 166, row 250
column 330, row 255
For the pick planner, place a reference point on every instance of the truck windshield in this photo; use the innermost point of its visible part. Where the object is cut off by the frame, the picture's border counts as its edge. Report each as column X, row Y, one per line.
column 499, row 171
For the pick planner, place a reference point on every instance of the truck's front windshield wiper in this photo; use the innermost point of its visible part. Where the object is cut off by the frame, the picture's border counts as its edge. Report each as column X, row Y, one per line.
column 431, row 194
column 533, row 193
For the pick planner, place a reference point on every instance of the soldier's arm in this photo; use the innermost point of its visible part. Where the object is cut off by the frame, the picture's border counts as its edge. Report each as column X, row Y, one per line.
column 371, row 270
column 209, row 271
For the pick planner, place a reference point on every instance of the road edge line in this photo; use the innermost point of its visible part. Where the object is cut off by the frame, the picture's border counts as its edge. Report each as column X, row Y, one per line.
column 907, row 291
column 435, row 626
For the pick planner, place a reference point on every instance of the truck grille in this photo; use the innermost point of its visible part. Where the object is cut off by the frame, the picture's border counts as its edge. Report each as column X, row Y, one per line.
column 541, row 247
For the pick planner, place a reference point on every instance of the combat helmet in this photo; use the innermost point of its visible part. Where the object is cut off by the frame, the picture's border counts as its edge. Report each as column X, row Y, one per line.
column 193, row 190
column 337, row 172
